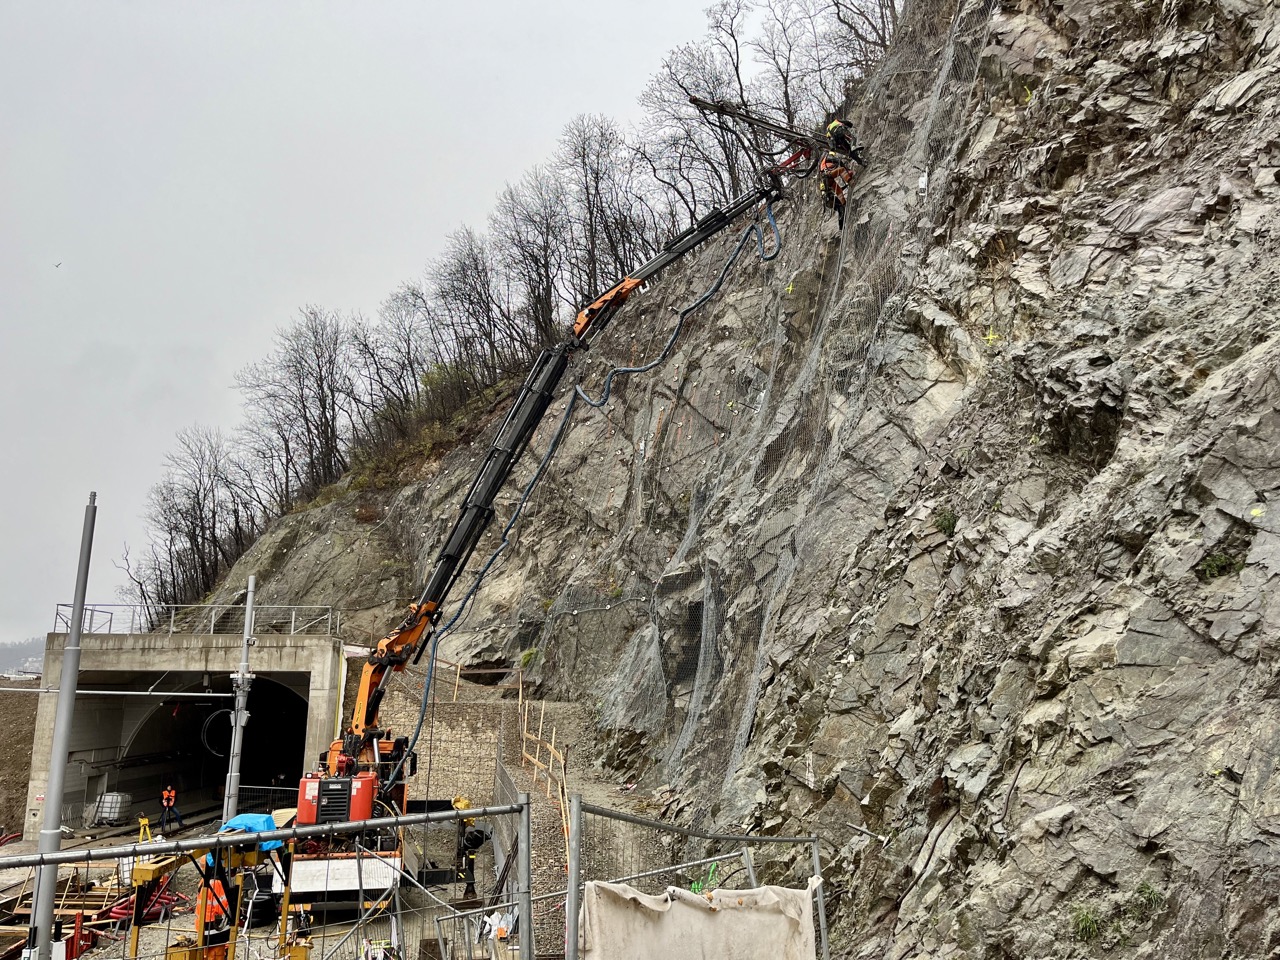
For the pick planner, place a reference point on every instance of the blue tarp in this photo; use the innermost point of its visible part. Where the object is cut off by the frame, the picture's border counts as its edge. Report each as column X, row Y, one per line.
column 251, row 823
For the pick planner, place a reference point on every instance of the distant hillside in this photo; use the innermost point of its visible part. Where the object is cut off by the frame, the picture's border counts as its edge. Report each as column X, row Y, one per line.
column 23, row 655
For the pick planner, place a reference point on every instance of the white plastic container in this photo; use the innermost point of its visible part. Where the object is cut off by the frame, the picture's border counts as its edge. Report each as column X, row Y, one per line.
column 114, row 807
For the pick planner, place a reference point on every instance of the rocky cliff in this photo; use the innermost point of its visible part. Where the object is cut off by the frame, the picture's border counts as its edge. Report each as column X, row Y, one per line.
column 952, row 537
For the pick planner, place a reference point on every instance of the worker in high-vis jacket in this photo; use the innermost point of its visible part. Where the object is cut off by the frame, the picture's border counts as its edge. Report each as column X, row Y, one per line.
column 840, row 135
column 169, row 808
column 833, row 180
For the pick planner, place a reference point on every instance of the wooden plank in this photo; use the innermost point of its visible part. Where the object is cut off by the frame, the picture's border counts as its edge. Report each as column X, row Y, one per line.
column 552, row 748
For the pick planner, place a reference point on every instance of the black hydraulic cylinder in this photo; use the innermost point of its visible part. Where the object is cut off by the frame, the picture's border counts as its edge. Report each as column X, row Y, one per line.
column 513, row 436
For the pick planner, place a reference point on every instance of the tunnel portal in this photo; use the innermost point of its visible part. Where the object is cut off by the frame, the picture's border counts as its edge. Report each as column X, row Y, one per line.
column 187, row 742
column 153, row 709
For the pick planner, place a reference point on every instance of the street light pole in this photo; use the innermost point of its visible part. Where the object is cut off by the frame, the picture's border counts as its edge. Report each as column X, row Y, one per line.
column 51, row 832
column 241, row 680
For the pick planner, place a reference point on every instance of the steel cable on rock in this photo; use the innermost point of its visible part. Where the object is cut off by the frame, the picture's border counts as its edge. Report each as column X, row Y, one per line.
column 561, row 427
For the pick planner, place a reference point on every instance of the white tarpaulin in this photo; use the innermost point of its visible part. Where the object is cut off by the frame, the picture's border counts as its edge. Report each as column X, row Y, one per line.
column 621, row 923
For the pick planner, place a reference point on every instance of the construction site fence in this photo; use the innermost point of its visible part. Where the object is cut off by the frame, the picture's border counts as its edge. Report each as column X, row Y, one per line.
column 101, row 903
column 265, row 799
column 651, row 855
column 547, row 921
column 459, row 935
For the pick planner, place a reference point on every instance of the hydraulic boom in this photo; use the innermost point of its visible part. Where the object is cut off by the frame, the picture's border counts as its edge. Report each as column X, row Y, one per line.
column 806, row 148
column 366, row 751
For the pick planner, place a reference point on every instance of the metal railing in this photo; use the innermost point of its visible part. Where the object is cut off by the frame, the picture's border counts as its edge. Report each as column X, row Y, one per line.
column 221, row 619
column 265, row 799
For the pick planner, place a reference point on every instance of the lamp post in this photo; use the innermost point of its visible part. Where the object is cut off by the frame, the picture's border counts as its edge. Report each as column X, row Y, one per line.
column 241, row 680
column 51, row 832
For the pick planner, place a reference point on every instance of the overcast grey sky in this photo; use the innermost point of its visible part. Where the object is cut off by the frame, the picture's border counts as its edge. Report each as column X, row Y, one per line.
column 200, row 171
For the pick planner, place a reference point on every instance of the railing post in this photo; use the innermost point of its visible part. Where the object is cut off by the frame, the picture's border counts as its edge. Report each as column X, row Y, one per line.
column 573, row 895
column 173, row 612
column 749, row 862
column 525, row 856
column 440, row 940
column 293, row 621
column 820, row 902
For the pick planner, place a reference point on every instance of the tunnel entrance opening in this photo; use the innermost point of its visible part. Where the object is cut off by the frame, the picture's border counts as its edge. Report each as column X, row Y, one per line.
column 186, row 742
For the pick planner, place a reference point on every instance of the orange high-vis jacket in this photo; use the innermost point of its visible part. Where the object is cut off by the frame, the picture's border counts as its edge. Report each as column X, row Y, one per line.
column 168, row 797
column 215, row 902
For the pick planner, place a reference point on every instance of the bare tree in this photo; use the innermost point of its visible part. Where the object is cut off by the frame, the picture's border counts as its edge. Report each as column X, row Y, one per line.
column 612, row 218
column 298, row 396
column 869, row 26
column 474, row 298
column 199, row 523
column 530, row 227
column 703, row 161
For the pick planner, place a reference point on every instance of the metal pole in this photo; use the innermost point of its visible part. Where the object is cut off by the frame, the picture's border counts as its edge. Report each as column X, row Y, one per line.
column 820, row 902
column 572, row 901
column 221, row 841
column 525, row 862
column 241, row 681
column 440, row 938
column 51, row 832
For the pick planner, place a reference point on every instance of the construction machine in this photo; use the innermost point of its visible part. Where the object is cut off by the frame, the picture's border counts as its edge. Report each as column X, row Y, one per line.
column 367, row 766
column 363, row 774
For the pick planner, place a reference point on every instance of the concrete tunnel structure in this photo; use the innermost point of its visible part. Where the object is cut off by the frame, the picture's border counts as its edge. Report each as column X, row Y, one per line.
column 127, row 736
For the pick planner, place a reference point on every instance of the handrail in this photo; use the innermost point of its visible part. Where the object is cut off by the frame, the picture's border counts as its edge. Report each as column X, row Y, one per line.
column 205, row 619
column 224, row 840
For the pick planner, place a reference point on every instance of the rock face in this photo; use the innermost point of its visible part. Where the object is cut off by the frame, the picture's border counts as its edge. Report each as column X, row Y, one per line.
column 962, row 528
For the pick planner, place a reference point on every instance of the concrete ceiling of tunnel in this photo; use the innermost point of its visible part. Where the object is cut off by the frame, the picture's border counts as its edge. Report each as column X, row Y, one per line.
column 182, row 681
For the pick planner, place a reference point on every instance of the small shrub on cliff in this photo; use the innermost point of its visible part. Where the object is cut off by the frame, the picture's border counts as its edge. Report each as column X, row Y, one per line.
column 368, row 513
column 1085, row 924
column 1149, row 898
column 1218, row 565
column 945, row 520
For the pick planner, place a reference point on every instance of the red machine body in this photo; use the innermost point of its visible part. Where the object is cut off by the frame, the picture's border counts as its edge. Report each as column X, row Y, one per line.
column 309, row 800
column 364, row 790
column 324, row 799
